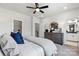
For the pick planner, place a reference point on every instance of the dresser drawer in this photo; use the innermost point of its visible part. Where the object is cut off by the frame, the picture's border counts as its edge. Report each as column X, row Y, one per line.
column 55, row 37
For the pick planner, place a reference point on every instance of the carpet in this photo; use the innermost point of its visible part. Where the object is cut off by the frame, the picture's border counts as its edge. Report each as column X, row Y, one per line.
column 65, row 50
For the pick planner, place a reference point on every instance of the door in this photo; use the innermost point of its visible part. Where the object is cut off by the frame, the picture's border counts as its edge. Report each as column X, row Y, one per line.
column 36, row 29
column 17, row 26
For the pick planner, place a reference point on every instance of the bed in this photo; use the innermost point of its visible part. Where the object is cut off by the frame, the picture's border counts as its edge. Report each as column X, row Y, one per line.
column 48, row 45
column 30, row 49
column 32, row 46
column 12, row 49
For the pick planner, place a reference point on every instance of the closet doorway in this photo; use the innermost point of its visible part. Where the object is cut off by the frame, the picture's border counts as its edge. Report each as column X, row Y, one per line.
column 36, row 29
column 17, row 26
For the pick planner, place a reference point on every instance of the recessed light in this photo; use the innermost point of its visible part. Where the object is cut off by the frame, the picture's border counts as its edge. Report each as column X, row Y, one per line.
column 65, row 7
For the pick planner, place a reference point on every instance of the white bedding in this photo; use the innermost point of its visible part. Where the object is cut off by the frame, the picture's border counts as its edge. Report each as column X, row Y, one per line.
column 48, row 46
column 30, row 49
column 11, row 48
column 27, row 49
column 40, row 48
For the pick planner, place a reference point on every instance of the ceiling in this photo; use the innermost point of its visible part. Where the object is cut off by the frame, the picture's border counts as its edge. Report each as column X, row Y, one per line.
column 54, row 8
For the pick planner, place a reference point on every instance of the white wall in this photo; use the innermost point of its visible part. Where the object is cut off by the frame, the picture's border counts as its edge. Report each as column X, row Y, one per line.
column 62, row 19
column 6, row 21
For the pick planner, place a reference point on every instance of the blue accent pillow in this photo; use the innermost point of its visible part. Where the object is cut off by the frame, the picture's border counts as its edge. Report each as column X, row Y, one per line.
column 12, row 34
column 18, row 37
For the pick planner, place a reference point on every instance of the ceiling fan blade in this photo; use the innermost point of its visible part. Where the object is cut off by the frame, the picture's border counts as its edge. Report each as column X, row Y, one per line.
column 34, row 12
column 43, row 7
column 41, row 11
column 36, row 5
column 30, row 7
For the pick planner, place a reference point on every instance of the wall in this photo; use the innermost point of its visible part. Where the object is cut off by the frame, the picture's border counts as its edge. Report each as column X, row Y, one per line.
column 6, row 21
column 62, row 19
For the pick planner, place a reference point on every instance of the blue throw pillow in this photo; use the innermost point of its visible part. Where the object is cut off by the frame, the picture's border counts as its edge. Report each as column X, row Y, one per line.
column 18, row 37
column 12, row 34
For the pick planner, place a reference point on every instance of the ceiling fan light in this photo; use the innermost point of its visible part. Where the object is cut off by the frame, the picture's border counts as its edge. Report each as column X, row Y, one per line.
column 37, row 10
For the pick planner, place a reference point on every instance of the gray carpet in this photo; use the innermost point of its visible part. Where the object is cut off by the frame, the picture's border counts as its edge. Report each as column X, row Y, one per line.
column 65, row 50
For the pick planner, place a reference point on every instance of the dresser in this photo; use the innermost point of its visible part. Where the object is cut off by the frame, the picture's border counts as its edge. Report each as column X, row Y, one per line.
column 55, row 37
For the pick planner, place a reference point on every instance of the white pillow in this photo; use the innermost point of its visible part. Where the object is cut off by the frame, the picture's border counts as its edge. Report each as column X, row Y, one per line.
column 3, row 41
column 8, row 44
column 1, row 53
column 7, row 40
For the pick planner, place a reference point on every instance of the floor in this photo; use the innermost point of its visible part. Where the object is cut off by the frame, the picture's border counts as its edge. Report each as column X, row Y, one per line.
column 65, row 50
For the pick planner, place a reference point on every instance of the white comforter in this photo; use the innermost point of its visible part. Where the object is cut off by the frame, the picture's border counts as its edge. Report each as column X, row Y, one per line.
column 48, row 46
column 27, row 49
column 30, row 49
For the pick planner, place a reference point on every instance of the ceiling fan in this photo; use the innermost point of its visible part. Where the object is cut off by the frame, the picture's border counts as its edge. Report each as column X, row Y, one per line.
column 37, row 8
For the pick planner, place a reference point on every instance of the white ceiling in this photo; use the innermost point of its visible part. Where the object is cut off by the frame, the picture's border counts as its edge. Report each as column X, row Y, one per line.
column 53, row 9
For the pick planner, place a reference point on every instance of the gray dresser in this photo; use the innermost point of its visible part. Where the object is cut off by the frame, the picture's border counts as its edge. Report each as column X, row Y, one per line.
column 55, row 37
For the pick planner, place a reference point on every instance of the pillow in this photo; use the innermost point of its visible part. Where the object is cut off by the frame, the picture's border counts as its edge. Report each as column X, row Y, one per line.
column 3, row 41
column 8, row 45
column 1, row 54
column 18, row 37
column 12, row 34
